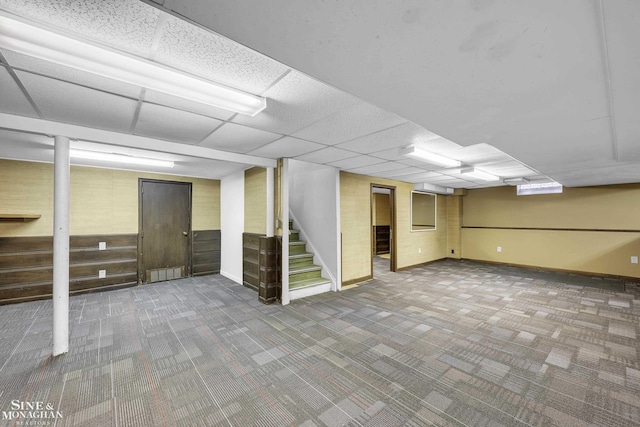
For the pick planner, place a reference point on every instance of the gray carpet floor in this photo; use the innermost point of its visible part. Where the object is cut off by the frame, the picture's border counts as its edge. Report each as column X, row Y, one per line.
column 451, row 343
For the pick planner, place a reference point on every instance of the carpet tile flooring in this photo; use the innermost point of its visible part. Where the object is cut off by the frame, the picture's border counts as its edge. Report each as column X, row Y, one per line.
column 453, row 343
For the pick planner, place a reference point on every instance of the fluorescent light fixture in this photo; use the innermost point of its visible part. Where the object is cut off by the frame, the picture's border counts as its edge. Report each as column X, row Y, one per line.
column 515, row 181
column 539, row 188
column 429, row 157
column 119, row 158
column 30, row 40
column 475, row 173
column 432, row 188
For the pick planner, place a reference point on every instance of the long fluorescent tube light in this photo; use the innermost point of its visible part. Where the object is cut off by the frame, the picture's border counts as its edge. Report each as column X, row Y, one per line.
column 429, row 157
column 475, row 173
column 539, row 188
column 119, row 158
column 30, row 40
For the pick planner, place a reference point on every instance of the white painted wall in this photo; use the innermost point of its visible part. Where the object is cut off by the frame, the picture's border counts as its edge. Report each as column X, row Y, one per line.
column 314, row 201
column 232, row 225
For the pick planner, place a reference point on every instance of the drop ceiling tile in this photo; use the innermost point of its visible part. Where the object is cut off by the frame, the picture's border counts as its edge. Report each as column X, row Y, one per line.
column 124, row 25
column 165, row 123
column 417, row 163
column 295, row 102
column 286, row 147
column 617, row 174
column 213, row 57
column 13, row 100
column 238, row 138
column 504, row 164
column 421, row 176
column 327, row 155
column 178, row 103
column 355, row 162
column 392, row 154
column 355, row 121
column 439, row 145
column 508, row 172
column 399, row 173
column 442, row 179
column 69, row 103
column 380, row 167
column 71, row 75
column 399, row 136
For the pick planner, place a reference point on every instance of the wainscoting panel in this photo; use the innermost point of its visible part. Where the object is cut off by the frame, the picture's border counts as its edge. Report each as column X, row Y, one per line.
column 206, row 252
column 26, row 265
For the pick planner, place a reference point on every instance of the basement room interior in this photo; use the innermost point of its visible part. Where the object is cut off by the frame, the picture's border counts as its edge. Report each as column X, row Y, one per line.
column 415, row 213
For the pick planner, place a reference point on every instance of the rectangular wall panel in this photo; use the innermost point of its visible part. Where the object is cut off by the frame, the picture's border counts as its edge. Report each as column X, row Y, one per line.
column 206, row 252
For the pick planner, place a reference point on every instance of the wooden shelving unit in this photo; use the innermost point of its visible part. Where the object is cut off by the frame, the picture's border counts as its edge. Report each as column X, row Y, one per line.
column 381, row 235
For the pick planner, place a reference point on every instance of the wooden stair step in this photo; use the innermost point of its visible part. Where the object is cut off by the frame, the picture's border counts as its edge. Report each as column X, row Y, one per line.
column 308, row 282
column 304, row 268
column 308, row 273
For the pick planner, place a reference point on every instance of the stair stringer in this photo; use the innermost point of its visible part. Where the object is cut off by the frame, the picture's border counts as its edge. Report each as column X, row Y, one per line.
column 317, row 259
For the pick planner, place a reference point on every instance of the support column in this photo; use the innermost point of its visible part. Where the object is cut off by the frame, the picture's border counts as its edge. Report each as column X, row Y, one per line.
column 61, row 246
column 284, row 194
column 270, row 201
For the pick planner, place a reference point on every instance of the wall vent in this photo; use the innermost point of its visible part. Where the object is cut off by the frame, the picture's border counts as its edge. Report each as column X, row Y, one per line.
column 162, row 274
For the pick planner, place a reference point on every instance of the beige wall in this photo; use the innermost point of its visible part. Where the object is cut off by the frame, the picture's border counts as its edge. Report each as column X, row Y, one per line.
column 102, row 201
column 454, row 222
column 578, row 217
column 255, row 200
column 355, row 223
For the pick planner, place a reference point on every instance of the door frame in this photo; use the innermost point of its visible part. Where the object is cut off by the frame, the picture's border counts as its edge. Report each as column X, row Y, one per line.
column 393, row 234
column 140, row 263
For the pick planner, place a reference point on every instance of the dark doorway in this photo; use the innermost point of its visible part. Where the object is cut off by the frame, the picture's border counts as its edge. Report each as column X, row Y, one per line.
column 383, row 221
column 165, row 230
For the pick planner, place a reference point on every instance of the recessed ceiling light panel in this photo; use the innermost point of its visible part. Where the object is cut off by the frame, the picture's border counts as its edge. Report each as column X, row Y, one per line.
column 429, row 157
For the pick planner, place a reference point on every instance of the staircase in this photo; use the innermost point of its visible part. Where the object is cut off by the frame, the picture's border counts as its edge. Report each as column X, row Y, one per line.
column 305, row 277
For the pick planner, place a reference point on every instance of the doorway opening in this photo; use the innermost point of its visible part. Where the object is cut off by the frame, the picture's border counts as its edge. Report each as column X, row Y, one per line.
column 383, row 229
column 164, row 238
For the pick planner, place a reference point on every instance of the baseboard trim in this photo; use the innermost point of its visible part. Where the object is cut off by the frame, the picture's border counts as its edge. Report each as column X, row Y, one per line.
column 558, row 270
column 358, row 280
column 409, row 267
column 231, row 277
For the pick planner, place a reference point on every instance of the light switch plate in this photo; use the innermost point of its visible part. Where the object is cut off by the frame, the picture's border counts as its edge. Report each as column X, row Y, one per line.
column 634, row 260
column 102, row 274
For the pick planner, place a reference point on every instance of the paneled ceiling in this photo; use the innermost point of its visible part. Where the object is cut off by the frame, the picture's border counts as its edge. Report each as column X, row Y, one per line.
column 537, row 89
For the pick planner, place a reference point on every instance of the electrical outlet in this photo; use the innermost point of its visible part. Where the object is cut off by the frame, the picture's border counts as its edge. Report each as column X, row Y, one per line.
column 499, row 248
column 634, row 260
column 102, row 246
column 102, row 274
column 419, row 250
column 453, row 251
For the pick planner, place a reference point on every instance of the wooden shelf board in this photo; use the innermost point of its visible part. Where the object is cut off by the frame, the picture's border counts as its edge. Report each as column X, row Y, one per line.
column 19, row 217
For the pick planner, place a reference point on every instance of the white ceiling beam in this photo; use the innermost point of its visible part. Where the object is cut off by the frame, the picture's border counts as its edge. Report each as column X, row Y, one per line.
column 46, row 127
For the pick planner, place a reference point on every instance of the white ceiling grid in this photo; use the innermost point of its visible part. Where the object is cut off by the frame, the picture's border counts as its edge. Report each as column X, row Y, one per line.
column 532, row 78
column 305, row 118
